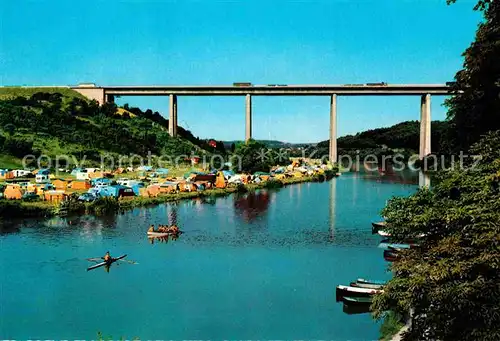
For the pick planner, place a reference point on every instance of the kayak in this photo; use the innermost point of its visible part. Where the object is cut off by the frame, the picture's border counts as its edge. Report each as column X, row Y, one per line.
column 105, row 263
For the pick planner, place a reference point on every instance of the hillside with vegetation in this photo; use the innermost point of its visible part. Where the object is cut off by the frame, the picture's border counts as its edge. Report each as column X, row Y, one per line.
column 54, row 123
column 403, row 137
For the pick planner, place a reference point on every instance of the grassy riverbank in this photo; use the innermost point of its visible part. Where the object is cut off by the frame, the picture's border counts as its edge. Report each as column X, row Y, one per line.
column 10, row 209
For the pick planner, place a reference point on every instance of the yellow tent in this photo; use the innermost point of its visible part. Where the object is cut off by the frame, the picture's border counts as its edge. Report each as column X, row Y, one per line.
column 220, row 181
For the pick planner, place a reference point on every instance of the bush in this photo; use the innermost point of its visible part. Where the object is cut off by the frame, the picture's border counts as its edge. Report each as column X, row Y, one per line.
column 451, row 281
column 102, row 206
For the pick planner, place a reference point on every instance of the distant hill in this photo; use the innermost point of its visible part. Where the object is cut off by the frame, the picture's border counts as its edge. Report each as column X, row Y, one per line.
column 269, row 144
column 52, row 123
column 405, row 135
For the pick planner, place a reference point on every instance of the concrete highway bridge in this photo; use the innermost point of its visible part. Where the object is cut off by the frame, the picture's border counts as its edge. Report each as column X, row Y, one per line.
column 104, row 94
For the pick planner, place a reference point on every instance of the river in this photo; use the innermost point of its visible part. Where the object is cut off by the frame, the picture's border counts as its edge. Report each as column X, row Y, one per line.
column 258, row 266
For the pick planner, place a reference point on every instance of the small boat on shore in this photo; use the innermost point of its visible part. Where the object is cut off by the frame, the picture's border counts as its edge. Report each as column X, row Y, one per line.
column 383, row 233
column 360, row 301
column 376, row 226
column 343, row 290
column 367, row 285
column 370, row 281
column 387, row 244
column 391, row 255
column 105, row 263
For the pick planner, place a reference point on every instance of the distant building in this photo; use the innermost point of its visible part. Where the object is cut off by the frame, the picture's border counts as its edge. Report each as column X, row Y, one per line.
column 212, row 143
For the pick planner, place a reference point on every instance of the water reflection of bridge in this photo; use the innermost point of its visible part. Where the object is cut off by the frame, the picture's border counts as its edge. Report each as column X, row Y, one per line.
column 332, row 207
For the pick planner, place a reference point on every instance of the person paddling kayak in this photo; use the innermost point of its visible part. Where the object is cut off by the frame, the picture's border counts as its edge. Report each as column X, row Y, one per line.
column 107, row 257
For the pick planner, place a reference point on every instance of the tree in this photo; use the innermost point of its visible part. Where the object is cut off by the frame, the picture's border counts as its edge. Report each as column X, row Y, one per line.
column 475, row 110
column 251, row 157
column 451, row 282
column 9, row 129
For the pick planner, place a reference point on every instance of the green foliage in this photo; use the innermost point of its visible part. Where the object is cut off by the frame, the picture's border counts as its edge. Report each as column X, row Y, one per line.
column 476, row 109
column 102, row 206
column 252, row 157
column 55, row 124
column 273, row 183
column 391, row 325
column 451, row 282
column 11, row 209
column 15, row 91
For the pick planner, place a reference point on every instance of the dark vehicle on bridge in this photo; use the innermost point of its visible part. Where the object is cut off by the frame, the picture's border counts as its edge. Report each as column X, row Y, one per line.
column 242, row 84
column 377, row 84
column 451, row 83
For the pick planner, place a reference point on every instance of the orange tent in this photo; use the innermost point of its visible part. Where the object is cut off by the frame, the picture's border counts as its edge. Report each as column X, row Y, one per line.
column 60, row 184
column 96, row 175
column 152, row 191
column 13, row 192
column 80, row 184
column 54, row 195
column 220, row 181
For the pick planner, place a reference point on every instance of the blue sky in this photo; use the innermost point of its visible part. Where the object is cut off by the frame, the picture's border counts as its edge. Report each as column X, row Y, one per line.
column 264, row 42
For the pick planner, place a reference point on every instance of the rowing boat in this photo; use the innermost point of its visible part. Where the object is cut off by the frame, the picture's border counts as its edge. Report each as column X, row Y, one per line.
column 383, row 233
column 343, row 290
column 357, row 300
column 370, row 281
column 366, row 285
column 162, row 234
column 158, row 234
column 376, row 226
column 105, row 263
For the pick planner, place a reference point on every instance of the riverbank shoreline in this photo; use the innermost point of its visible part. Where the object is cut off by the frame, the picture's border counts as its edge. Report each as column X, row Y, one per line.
column 10, row 209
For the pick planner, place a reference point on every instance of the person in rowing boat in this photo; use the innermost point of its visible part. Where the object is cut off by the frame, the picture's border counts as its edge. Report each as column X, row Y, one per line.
column 107, row 257
column 174, row 229
column 151, row 228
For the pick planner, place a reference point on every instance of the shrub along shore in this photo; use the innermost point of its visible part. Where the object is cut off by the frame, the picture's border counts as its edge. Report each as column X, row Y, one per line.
column 10, row 209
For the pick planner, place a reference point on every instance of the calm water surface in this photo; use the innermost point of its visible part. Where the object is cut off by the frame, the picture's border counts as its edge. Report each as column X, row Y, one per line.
column 247, row 267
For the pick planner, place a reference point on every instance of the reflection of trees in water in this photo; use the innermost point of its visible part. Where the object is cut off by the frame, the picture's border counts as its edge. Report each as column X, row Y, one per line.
column 251, row 205
column 387, row 174
column 9, row 227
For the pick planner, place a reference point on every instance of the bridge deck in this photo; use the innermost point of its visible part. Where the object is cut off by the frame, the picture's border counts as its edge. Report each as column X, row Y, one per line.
column 278, row 90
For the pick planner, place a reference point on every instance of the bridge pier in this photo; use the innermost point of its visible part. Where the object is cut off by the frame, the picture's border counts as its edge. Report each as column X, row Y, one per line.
column 172, row 117
column 248, row 117
column 425, row 125
column 333, row 129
